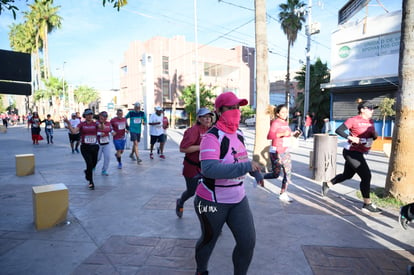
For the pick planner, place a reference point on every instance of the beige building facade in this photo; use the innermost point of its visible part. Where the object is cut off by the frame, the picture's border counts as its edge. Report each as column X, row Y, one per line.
column 160, row 68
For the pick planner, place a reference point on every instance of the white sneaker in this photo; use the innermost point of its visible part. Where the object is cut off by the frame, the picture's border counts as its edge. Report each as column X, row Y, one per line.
column 284, row 197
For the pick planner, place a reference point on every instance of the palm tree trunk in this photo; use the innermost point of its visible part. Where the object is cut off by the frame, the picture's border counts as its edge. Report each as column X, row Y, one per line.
column 287, row 84
column 400, row 177
column 262, row 83
column 46, row 54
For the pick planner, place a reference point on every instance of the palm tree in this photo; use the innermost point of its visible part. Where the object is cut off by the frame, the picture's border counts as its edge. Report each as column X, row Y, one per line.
column 291, row 16
column 400, row 177
column 85, row 95
column 44, row 18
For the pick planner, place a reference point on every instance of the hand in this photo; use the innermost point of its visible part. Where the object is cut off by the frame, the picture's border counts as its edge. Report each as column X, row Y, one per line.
column 256, row 166
column 354, row 139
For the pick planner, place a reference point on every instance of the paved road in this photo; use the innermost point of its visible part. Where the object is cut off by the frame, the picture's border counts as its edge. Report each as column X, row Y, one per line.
column 128, row 225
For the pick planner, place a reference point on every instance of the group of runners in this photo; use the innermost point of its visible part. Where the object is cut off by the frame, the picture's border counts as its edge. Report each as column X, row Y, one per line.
column 93, row 134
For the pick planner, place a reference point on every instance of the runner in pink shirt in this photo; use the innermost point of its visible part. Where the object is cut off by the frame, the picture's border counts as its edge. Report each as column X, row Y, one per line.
column 220, row 195
column 89, row 143
column 279, row 151
column 119, row 125
column 190, row 145
column 360, row 133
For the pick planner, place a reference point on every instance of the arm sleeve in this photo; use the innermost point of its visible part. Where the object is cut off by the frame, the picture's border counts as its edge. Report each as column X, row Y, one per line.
column 341, row 131
column 212, row 168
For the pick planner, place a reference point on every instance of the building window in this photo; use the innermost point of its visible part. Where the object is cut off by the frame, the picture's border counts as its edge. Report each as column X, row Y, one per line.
column 124, row 69
column 218, row 70
column 165, row 65
column 166, row 90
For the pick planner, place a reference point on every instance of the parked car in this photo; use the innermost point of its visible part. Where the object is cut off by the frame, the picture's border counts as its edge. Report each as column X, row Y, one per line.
column 250, row 121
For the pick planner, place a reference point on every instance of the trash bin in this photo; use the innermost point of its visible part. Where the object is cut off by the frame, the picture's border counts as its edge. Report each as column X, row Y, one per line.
column 324, row 156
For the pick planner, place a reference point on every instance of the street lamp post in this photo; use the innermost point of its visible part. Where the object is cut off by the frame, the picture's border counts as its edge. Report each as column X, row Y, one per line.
column 63, row 84
column 196, row 57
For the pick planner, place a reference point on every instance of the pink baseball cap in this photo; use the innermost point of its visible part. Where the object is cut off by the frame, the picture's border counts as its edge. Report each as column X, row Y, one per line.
column 229, row 99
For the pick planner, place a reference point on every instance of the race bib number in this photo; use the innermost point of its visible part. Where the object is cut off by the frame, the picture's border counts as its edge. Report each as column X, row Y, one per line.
column 121, row 126
column 35, row 125
column 48, row 126
column 137, row 120
column 90, row 139
column 104, row 139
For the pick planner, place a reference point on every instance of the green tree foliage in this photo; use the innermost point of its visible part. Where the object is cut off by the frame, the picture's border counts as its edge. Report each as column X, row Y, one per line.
column 43, row 18
column 85, row 95
column 189, row 97
column 386, row 109
column 291, row 16
column 246, row 111
column 116, row 3
column 8, row 5
column 319, row 101
column 2, row 108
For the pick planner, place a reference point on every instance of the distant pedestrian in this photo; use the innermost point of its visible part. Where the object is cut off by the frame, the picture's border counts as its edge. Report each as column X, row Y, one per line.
column 104, row 134
column 307, row 126
column 136, row 119
column 157, row 131
column 190, row 145
column 119, row 125
column 360, row 133
column 35, row 122
column 89, row 148
column 280, row 134
column 49, row 124
column 74, row 138
column 221, row 196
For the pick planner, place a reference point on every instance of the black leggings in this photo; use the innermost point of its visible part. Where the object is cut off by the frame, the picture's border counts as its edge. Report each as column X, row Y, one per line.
column 90, row 155
column 239, row 219
column 355, row 163
column 191, row 184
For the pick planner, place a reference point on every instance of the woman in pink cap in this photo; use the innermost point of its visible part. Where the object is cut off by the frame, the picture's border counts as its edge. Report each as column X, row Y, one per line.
column 220, row 195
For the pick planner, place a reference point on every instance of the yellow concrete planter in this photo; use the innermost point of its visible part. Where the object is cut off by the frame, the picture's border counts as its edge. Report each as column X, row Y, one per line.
column 383, row 145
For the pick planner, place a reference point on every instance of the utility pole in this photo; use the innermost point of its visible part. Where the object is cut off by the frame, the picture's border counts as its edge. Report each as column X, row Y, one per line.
column 196, row 57
column 308, row 46
column 311, row 28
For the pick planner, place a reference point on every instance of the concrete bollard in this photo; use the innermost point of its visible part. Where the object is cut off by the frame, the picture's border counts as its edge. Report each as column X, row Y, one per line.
column 25, row 164
column 50, row 205
column 324, row 156
column 310, row 159
column 3, row 129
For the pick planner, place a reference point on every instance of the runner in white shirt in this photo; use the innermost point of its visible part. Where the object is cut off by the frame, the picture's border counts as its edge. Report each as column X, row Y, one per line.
column 157, row 131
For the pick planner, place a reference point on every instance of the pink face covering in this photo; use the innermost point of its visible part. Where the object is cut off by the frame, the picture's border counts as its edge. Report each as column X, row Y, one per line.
column 229, row 121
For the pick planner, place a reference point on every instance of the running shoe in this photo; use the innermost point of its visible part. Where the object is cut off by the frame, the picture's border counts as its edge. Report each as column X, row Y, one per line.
column 371, row 208
column 178, row 208
column 73, row 151
column 162, row 156
column 77, row 150
column 325, row 189
column 403, row 217
column 132, row 157
column 151, row 156
column 104, row 173
column 139, row 161
column 119, row 165
column 284, row 197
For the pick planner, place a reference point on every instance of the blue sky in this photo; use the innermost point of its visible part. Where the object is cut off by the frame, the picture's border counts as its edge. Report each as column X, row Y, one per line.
column 93, row 38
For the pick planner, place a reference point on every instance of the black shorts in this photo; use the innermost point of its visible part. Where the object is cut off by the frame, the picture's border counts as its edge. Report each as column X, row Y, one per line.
column 74, row 137
column 161, row 139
